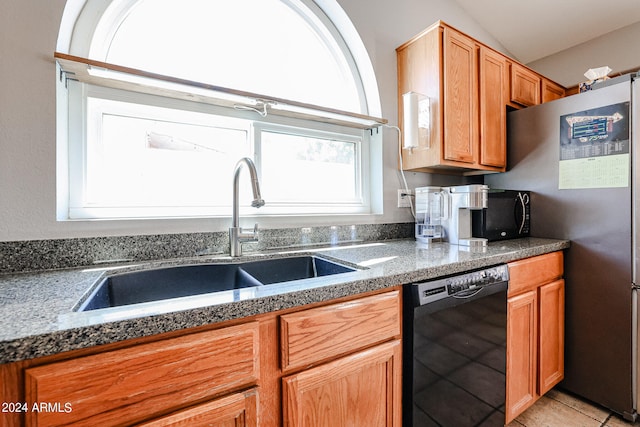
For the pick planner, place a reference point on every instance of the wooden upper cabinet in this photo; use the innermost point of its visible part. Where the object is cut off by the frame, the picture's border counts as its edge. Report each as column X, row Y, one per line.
column 460, row 108
column 467, row 83
column 470, row 86
column 525, row 86
column 551, row 91
column 420, row 71
column 494, row 84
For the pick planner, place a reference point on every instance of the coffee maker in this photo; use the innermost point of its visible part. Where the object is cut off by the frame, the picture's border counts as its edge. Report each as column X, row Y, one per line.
column 458, row 225
column 444, row 214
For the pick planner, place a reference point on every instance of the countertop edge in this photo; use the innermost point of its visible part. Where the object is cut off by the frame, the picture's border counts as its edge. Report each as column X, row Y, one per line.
column 75, row 338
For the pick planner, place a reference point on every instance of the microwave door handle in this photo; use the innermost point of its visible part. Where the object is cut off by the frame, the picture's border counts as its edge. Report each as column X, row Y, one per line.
column 521, row 198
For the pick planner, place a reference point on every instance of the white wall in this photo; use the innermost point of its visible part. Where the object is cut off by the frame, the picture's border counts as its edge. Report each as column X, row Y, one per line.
column 27, row 117
column 28, row 35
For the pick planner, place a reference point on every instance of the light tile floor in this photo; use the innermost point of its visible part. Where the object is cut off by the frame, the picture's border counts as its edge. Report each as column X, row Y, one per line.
column 559, row 409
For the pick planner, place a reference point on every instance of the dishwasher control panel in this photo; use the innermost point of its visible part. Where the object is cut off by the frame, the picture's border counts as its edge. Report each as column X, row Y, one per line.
column 460, row 285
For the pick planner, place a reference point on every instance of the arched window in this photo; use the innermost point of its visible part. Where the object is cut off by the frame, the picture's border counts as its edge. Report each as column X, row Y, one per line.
column 145, row 154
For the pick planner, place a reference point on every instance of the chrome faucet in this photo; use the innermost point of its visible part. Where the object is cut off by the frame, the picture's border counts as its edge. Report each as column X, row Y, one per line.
column 236, row 234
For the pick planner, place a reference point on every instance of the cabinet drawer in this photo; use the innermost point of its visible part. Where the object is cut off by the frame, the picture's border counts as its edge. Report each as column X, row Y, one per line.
column 532, row 272
column 320, row 333
column 238, row 409
column 132, row 384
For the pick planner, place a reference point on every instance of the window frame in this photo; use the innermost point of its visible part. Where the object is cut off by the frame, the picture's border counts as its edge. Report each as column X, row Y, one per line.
column 79, row 208
column 361, row 204
column 369, row 162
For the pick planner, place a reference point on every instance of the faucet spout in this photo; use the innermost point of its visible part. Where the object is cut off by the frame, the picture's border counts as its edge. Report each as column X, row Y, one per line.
column 236, row 234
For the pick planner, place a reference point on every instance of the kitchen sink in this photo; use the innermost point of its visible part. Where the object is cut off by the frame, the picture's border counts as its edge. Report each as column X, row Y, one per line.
column 187, row 280
column 288, row 269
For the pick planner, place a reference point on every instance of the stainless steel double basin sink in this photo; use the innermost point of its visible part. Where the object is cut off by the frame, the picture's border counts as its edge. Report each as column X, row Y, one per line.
column 187, row 280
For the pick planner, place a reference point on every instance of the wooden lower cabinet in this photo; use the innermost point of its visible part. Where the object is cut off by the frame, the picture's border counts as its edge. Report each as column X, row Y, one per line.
column 345, row 364
column 324, row 333
column 551, row 345
column 236, row 410
column 337, row 360
column 522, row 353
column 134, row 384
column 535, row 330
column 362, row 389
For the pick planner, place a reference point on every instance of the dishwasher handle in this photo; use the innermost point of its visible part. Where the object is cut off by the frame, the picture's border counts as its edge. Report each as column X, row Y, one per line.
column 447, row 301
column 470, row 293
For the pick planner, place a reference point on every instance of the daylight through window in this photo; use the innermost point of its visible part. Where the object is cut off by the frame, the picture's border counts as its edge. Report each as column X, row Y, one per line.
column 146, row 155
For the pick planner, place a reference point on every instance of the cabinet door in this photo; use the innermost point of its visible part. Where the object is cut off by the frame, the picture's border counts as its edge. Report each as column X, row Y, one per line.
column 551, row 91
column 493, row 111
column 525, row 86
column 551, row 353
column 461, row 128
column 236, row 410
column 522, row 348
column 419, row 70
column 362, row 389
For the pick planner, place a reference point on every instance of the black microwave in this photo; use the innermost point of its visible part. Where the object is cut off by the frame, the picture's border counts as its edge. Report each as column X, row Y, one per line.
column 508, row 216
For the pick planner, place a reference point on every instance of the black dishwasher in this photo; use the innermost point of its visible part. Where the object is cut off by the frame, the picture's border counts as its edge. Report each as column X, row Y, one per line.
column 454, row 359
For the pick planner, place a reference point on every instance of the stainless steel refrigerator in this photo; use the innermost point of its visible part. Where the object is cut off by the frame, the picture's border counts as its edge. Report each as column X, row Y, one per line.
column 578, row 158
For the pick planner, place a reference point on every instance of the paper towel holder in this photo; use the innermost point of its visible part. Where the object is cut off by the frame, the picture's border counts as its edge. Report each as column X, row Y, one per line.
column 416, row 120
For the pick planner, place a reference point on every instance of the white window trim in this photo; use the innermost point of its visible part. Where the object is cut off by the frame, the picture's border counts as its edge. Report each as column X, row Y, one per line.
column 78, row 208
column 160, row 108
column 360, row 206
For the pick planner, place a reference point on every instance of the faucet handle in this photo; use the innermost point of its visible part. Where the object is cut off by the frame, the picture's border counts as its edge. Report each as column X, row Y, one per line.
column 249, row 235
column 238, row 235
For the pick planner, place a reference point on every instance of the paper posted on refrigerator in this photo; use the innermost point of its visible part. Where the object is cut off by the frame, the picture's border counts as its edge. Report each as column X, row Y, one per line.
column 594, row 148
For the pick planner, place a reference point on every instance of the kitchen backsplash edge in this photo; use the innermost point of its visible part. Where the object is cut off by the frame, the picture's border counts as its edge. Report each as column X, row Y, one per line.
column 56, row 254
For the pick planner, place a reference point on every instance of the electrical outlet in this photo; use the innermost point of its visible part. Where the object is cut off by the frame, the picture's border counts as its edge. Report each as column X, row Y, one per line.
column 404, row 198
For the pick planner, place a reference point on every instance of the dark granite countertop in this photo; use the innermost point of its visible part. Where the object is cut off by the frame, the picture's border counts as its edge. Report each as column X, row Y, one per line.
column 36, row 309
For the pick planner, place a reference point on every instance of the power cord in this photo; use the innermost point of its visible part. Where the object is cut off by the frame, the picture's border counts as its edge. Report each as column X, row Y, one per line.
column 404, row 178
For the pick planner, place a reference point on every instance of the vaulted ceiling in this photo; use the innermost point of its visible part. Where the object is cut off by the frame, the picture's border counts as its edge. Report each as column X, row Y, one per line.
column 531, row 30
